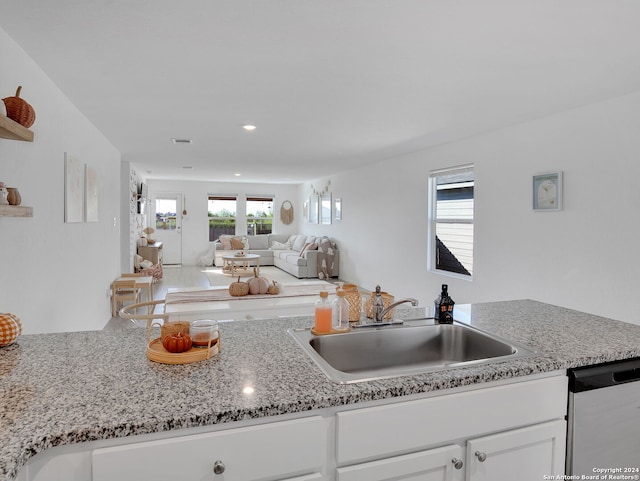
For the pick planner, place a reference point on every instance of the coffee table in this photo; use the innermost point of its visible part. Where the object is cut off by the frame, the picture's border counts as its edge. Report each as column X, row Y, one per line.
column 231, row 264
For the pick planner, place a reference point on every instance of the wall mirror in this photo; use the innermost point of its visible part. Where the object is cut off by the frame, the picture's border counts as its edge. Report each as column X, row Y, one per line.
column 325, row 209
column 313, row 209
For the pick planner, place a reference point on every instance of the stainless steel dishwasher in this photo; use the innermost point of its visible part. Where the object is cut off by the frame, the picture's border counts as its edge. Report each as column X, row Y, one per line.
column 603, row 423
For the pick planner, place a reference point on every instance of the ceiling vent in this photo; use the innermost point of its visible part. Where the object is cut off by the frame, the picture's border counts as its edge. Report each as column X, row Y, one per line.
column 182, row 141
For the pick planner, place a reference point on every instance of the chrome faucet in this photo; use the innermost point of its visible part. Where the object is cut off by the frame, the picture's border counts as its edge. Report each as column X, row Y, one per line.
column 378, row 315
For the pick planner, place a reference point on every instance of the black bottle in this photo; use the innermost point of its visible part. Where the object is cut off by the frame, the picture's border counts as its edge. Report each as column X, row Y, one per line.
column 443, row 313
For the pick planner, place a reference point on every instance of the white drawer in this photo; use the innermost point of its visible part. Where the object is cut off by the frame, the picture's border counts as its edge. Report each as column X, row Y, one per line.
column 404, row 427
column 282, row 449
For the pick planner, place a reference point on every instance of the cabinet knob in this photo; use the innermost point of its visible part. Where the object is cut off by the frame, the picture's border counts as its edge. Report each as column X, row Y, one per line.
column 481, row 456
column 218, row 467
column 457, row 463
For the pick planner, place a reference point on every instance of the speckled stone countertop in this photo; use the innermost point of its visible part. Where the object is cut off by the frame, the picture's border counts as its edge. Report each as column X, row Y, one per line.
column 73, row 387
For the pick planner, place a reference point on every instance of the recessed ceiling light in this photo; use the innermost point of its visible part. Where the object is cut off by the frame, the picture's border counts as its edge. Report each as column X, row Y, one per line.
column 182, row 141
column 249, row 127
column 237, row 174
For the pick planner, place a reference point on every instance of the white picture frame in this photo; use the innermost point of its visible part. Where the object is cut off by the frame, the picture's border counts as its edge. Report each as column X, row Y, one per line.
column 90, row 195
column 325, row 208
column 547, row 191
column 314, row 208
column 337, row 209
column 73, row 189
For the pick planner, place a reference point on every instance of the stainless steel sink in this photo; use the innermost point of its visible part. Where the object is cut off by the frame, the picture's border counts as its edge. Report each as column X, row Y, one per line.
column 377, row 353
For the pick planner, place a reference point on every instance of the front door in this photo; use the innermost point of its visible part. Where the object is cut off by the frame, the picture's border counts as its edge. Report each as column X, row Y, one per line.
column 167, row 211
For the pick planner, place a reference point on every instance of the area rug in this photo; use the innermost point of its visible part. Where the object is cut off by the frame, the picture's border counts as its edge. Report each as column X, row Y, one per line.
column 272, row 273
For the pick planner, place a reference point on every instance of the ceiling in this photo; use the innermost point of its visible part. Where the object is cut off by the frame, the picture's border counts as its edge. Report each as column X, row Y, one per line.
column 330, row 84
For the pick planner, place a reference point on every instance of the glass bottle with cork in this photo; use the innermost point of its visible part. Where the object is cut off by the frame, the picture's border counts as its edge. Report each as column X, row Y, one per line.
column 323, row 314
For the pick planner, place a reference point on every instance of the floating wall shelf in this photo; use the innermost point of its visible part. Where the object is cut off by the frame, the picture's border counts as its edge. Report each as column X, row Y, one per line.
column 15, row 211
column 13, row 130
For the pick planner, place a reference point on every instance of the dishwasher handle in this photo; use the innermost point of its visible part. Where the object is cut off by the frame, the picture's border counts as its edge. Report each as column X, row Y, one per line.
column 604, row 375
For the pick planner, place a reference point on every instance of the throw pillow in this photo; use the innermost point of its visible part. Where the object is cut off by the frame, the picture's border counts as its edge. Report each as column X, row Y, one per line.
column 279, row 246
column 236, row 244
column 225, row 240
column 297, row 242
column 310, row 246
column 245, row 243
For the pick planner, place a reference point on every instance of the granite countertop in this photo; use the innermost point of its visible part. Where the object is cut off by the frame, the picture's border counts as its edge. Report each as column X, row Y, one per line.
column 72, row 387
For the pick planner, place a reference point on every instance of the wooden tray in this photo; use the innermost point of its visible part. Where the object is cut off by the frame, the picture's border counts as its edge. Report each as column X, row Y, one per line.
column 157, row 353
column 332, row 331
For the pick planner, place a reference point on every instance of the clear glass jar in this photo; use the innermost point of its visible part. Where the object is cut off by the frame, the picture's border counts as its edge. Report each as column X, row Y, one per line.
column 340, row 312
column 203, row 331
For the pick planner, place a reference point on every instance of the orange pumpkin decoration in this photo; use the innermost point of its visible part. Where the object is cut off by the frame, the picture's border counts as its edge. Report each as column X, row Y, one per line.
column 10, row 328
column 19, row 110
column 274, row 288
column 176, row 343
column 238, row 289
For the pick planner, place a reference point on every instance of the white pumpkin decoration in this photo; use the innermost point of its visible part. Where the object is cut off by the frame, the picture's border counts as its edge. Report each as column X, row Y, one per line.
column 257, row 284
column 10, row 328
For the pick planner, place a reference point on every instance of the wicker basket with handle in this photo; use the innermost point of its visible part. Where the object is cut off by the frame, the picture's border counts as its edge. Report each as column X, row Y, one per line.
column 19, row 110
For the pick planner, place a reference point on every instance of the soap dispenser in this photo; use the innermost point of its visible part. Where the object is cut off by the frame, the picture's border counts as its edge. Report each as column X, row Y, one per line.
column 443, row 313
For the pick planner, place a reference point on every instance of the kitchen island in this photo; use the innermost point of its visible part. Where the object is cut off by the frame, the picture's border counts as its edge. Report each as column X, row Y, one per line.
column 66, row 388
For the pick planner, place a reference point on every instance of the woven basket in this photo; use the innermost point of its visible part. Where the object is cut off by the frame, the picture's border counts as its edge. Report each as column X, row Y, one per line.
column 353, row 297
column 19, row 110
column 170, row 328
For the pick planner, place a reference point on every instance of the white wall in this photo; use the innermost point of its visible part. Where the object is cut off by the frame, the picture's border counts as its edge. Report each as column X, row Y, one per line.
column 55, row 276
column 195, row 228
column 584, row 257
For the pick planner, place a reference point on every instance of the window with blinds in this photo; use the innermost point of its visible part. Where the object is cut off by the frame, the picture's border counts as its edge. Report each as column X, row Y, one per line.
column 451, row 220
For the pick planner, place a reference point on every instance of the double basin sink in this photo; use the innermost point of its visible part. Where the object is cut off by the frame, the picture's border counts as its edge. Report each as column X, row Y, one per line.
column 412, row 348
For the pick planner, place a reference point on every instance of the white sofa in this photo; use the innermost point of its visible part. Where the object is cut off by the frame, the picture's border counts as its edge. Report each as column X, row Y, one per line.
column 284, row 251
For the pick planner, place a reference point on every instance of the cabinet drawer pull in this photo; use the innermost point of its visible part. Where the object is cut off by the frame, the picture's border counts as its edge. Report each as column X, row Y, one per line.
column 218, row 467
column 481, row 456
column 457, row 463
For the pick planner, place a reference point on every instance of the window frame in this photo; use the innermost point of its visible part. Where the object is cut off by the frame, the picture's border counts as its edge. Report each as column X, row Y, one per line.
column 229, row 197
column 461, row 171
column 258, row 198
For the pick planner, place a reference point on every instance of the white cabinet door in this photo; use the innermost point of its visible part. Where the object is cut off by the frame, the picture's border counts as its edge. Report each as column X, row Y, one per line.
column 432, row 465
column 526, row 454
column 282, row 450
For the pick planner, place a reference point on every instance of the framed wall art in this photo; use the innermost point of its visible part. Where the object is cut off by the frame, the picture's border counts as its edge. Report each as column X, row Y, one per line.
column 90, row 195
column 337, row 209
column 547, row 191
column 314, row 207
column 325, row 209
column 73, row 189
